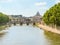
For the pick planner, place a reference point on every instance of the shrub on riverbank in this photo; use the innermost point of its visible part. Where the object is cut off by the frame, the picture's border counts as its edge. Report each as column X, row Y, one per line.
column 3, row 19
column 3, row 27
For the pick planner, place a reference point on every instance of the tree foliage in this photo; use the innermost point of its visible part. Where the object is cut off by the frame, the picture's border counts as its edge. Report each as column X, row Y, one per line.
column 52, row 16
column 3, row 18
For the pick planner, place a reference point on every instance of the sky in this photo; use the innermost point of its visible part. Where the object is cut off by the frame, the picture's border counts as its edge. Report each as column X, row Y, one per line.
column 26, row 7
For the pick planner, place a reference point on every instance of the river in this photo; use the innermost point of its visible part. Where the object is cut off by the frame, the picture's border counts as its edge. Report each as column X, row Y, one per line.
column 28, row 35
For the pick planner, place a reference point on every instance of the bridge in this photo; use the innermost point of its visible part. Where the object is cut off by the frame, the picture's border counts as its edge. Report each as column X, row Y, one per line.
column 19, row 19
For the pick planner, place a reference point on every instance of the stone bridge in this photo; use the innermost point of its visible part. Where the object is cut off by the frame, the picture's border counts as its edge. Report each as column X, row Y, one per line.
column 21, row 21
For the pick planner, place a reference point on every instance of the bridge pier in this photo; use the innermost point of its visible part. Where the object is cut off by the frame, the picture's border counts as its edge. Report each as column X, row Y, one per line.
column 14, row 23
column 27, row 23
column 34, row 23
column 21, row 23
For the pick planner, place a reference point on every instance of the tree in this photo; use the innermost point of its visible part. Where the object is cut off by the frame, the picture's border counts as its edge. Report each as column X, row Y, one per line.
column 3, row 18
column 52, row 16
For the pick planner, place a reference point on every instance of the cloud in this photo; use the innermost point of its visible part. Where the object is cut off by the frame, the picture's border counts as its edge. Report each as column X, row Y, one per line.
column 57, row 1
column 6, row 1
column 41, row 7
column 40, row 3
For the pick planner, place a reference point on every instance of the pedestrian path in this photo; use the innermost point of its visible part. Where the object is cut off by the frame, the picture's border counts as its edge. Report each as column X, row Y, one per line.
column 47, row 28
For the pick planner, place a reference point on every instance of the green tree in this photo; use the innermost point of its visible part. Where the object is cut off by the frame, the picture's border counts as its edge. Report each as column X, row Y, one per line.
column 3, row 18
column 52, row 16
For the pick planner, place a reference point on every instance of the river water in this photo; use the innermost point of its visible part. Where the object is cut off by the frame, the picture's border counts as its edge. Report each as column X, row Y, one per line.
column 28, row 35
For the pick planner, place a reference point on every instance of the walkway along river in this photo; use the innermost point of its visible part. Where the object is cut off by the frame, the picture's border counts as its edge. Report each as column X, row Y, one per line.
column 47, row 28
column 28, row 35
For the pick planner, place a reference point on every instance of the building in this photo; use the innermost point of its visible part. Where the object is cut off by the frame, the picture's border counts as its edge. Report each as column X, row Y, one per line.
column 37, row 18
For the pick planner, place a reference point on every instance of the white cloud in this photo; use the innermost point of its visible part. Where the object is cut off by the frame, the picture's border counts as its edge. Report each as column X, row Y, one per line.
column 57, row 1
column 41, row 7
column 6, row 1
column 40, row 3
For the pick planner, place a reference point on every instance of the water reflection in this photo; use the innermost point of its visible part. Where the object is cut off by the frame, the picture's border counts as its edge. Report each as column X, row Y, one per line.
column 53, row 39
column 28, row 35
column 2, row 34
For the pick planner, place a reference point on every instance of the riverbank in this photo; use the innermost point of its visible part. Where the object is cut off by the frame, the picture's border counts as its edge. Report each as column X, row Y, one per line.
column 47, row 28
column 2, row 27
